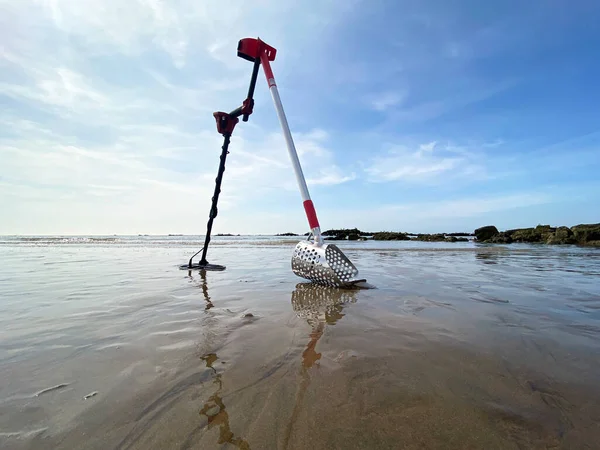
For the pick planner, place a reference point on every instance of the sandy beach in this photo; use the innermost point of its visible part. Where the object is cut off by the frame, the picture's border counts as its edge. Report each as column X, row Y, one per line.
column 105, row 344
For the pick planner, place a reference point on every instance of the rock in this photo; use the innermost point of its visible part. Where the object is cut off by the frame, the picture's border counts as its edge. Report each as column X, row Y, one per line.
column 456, row 239
column 390, row 236
column 585, row 234
column 248, row 315
column 500, row 238
column 431, row 237
column 353, row 237
column 485, row 233
column 286, row 234
column 546, row 232
column 342, row 234
column 524, row 235
column 562, row 235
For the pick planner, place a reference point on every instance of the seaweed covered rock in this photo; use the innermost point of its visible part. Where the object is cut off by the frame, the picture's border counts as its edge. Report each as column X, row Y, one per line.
column 342, row 234
column 431, row 237
column 524, row 235
column 500, row 238
column 584, row 234
column 450, row 238
column 587, row 234
column 562, row 235
column 390, row 236
column 485, row 233
column 546, row 232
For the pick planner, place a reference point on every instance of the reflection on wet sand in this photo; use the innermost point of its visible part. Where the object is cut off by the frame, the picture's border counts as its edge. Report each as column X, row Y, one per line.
column 214, row 409
column 319, row 306
column 487, row 257
column 204, row 287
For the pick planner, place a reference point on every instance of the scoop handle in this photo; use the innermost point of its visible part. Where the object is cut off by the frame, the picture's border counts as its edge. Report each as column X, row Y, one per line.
column 309, row 208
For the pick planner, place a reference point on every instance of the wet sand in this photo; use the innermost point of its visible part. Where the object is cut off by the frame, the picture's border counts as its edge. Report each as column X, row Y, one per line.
column 478, row 348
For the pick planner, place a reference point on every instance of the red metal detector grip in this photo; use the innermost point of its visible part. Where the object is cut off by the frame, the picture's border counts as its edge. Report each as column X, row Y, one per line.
column 225, row 123
column 252, row 48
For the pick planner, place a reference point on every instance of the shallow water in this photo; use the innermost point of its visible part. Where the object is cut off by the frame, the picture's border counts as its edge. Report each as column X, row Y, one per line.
column 104, row 344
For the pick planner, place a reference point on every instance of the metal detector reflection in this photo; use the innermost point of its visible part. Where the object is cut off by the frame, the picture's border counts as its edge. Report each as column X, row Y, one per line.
column 204, row 287
column 215, row 410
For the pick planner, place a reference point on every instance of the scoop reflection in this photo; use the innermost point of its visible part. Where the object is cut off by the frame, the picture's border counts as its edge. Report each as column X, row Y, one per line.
column 319, row 306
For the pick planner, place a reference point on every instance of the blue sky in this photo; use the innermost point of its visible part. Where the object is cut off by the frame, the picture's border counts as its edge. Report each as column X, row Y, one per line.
column 419, row 116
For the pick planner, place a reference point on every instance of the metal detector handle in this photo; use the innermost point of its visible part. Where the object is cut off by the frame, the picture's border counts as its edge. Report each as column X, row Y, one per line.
column 248, row 105
column 309, row 208
column 250, row 97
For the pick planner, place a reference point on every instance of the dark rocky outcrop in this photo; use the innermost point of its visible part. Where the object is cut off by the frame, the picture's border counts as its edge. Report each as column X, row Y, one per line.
column 562, row 235
column 524, row 235
column 390, row 236
column 485, row 233
column 286, row 234
column 500, row 238
column 584, row 234
column 431, row 237
column 587, row 233
column 451, row 238
column 342, row 234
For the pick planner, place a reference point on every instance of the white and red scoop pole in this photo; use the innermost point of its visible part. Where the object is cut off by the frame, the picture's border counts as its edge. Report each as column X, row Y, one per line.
column 250, row 49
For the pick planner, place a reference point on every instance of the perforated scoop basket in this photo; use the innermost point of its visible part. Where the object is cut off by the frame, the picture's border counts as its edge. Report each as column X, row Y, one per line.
column 324, row 264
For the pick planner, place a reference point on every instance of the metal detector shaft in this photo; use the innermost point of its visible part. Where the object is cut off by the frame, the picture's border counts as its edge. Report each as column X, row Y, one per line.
column 215, row 199
column 225, row 124
column 309, row 208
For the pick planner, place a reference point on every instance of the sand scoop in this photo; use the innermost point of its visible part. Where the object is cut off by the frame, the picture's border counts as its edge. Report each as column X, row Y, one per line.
column 321, row 263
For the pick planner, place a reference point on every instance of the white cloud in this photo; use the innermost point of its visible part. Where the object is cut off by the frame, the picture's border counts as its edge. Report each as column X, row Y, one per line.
column 428, row 147
column 387, row 100
column 423, row 165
